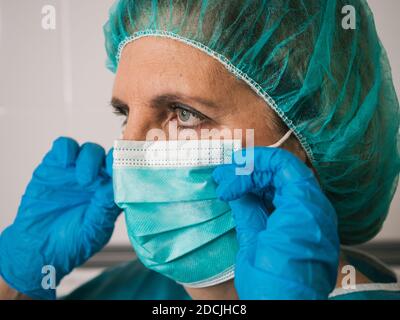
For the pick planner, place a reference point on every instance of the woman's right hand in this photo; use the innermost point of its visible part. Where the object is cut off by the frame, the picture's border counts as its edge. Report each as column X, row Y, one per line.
column 66, row 215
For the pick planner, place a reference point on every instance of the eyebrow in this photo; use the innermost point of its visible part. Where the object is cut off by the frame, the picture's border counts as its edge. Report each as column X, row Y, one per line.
column 168, row 98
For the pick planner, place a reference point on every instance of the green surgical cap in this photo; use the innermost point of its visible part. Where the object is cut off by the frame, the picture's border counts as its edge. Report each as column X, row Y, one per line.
column 331, row 85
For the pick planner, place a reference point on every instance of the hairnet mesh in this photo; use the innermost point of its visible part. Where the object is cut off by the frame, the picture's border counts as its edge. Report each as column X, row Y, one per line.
column 331, row 86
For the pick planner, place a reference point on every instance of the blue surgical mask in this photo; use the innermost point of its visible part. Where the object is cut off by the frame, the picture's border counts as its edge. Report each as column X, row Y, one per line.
column 175, row 222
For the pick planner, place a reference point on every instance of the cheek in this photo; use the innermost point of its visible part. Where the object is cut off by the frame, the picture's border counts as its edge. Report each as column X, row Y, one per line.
column 144, row 122
column 252, row 128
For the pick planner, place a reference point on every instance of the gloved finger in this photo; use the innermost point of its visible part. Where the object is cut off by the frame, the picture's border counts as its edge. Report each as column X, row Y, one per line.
column 89, row 162
column 229, row 186
column 273, row 168
column 63, row 153
column 250, row 217
column 109, row 162
column 102, row 213
column 226, row 172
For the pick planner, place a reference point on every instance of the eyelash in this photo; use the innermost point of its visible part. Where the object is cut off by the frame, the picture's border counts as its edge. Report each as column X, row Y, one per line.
column 123, row 110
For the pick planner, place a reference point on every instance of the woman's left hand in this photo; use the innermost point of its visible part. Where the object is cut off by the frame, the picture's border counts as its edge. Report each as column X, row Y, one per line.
column 293, row 252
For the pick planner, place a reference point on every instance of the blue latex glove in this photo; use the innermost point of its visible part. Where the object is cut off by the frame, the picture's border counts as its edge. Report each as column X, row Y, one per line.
column 293, row 252
column 66, row 215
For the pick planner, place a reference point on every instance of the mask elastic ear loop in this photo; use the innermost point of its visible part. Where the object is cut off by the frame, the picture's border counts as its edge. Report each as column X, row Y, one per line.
column 282, row 140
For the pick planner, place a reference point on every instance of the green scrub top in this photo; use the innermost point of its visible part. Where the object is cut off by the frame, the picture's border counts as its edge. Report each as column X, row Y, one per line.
column 133, row 281
column 385, row 283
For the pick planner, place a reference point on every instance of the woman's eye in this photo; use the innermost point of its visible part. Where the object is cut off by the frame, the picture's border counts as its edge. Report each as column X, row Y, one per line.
column 121, row 111
column 187, row 118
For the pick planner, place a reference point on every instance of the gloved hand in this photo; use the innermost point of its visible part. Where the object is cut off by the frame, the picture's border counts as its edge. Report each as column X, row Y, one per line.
column 292, row 252
column 66, row 215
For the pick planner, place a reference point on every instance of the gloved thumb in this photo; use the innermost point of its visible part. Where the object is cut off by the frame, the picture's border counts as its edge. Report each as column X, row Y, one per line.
column 89, row 163
column 250, row 217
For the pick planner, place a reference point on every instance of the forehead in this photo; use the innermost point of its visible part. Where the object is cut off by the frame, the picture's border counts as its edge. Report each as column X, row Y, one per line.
column 153, row 65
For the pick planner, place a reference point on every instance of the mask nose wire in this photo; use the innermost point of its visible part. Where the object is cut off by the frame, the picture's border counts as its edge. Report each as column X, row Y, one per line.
column 277, row 144
column 281, row 140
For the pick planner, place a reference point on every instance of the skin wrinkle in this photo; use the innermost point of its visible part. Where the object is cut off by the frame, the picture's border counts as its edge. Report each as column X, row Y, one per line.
column 148, row 67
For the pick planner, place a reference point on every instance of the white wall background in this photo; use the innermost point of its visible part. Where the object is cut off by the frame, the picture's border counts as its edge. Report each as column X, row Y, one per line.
column 54, row 83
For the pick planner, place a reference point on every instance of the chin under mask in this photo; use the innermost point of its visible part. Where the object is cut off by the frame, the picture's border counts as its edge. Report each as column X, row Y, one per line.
column 175, row 222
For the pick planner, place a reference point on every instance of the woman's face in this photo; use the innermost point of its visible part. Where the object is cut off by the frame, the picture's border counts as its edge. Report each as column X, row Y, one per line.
column 163, row 83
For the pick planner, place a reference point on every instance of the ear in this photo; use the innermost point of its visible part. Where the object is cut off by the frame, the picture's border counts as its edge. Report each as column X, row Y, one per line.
column 293, row 145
